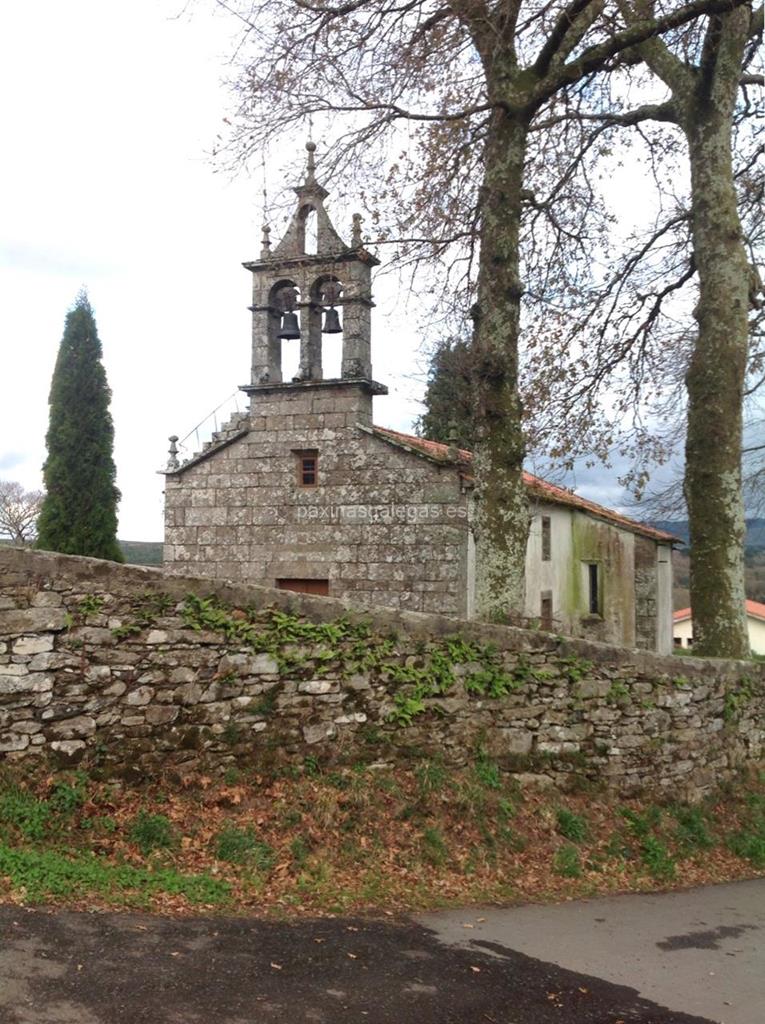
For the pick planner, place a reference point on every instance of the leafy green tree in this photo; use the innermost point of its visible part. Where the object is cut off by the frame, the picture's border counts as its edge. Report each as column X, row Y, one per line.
column 79, row 513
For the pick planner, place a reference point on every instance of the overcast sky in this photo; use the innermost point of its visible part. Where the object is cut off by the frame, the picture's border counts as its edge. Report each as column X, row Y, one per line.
column 108, row 117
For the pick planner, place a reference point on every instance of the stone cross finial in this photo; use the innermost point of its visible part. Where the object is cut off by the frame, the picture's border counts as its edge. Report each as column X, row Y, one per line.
column 172, row 462
column 356, row 239
column 265, row 243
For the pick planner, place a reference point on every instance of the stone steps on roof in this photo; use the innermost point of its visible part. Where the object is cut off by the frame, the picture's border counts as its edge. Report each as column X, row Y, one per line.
column 236, row 422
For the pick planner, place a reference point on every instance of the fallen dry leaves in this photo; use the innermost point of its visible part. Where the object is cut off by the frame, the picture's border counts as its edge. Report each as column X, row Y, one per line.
column 363, row 840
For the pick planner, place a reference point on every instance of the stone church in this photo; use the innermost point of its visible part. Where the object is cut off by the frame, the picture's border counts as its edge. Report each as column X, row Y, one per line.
column 303, row 492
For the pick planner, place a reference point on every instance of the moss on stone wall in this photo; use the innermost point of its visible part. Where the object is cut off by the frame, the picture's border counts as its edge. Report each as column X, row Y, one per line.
column 135, row 671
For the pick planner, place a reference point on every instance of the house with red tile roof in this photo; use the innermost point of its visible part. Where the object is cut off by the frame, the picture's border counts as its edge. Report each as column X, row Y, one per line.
column 304, row 492
column 682, row 627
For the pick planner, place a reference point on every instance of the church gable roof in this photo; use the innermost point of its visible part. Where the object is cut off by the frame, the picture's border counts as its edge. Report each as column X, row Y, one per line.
column 462, row 460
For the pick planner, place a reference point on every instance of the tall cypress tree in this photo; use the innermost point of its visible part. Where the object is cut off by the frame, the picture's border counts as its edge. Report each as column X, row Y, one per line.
column 449, row 396
column 79, row 513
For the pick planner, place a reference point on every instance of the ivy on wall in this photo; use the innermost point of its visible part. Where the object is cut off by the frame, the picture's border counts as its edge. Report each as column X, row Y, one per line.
column 344, row 648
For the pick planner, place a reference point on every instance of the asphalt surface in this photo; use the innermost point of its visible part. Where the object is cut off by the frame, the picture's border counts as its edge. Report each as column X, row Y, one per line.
column 699, row 951
column 80, row 968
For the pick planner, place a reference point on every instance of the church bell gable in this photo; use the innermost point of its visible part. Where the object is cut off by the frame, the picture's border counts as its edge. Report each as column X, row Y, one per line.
column 298, row 296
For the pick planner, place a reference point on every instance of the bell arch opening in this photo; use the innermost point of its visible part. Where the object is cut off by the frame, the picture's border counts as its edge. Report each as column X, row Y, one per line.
column 284, row 328
column 326, row 300
column 308, row 230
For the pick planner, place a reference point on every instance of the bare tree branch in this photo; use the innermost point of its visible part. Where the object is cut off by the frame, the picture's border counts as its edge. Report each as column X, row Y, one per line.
column 19, row 510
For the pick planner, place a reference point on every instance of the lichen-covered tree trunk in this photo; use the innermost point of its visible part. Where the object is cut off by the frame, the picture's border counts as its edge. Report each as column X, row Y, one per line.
column 716, row 375
column 501, row 519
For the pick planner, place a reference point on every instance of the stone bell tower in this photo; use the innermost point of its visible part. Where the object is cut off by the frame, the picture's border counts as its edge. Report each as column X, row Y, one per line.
column 298, row 294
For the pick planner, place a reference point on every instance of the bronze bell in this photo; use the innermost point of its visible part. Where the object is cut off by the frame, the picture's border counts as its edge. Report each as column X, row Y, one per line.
column 290, row 327
column 331, row 322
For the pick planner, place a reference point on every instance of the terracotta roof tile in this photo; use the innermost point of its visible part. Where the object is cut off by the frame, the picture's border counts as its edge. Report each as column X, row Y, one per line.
column 439, row 452
column 753, row 608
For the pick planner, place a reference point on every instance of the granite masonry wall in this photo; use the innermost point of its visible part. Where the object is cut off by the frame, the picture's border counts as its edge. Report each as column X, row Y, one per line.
column 384, row 527
column 646, row 588
column 135, row 670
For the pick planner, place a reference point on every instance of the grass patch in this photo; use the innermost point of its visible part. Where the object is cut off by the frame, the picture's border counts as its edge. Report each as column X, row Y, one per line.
column 567, row 863
column 68, row 794
column 432, row 779
column 23, row 812
column 336, row 839
column 692, row 829
column 151, row 832
column 657, row 859
column 31, row 816
column 42, row 874
column 749, row 841
column 487, row 772
column 241, row 846
column 750, row 846
column 235, row 845
column 300, row 851
column 434, row 848
column 641, row 823
column 571, row 826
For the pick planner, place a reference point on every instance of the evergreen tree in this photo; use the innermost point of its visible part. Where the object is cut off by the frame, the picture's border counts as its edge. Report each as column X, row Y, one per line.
column 79, row 513
column 449, row 396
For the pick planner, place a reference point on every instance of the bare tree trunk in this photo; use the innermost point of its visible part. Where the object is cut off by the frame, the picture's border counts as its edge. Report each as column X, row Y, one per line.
column 715, row 383
column 502, row 520
column 704, row 100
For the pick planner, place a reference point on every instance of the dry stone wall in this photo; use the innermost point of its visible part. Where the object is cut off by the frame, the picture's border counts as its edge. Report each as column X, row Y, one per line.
column 134, row 670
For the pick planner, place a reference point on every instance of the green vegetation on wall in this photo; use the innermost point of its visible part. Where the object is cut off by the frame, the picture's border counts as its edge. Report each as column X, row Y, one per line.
column 344, row 648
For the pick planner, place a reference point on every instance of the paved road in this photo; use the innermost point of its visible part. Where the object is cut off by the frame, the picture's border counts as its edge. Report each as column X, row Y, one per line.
column 701, row 951
column 78, row 968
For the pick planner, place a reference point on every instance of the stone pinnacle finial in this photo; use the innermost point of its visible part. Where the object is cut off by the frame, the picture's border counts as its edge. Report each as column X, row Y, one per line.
column 172, row 462
column 310, row 178
column 453, row 442
column 265, row 242
column 356, row 239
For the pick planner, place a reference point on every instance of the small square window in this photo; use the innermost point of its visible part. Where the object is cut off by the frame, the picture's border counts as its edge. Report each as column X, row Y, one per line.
column 308, row 471
column 307, row 468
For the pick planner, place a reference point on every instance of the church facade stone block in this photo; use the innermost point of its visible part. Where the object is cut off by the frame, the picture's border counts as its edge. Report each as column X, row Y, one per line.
column 304, row 492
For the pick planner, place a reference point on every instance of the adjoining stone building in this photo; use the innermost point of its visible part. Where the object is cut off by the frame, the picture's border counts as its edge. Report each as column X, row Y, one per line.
column 304, row 492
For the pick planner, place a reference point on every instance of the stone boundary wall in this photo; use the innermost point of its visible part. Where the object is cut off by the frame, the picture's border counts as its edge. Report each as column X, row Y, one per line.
column 104, row 664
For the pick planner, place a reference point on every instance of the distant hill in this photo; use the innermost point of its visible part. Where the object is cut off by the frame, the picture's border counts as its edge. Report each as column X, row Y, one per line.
column 136, row 552
column 142, row 552
column 755, row 531
column 755, row 559
column 754, row 575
